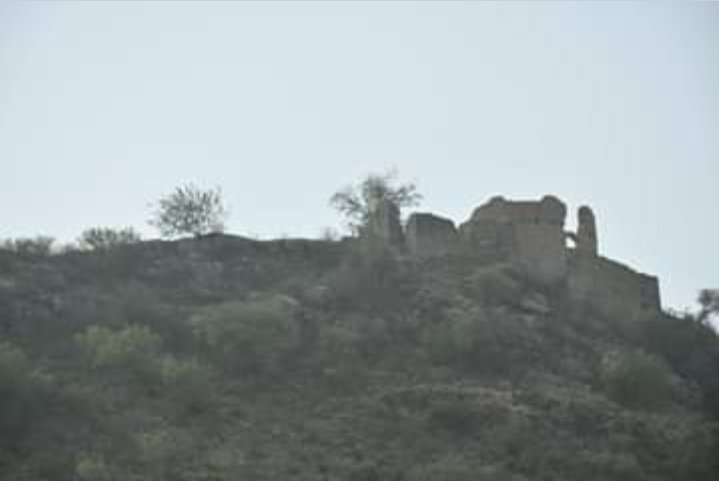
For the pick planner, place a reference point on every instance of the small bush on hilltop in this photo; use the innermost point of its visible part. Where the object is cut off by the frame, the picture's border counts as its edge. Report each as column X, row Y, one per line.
column 100, row 238
column 635, row 378
column 29, row 247
column 190, row 210
column 356, row 202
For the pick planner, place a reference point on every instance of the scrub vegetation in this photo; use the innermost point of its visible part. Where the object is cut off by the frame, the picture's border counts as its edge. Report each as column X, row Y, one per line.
column 222, row 357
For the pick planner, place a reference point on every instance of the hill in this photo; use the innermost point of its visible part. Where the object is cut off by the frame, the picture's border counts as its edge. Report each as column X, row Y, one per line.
column 221, row 357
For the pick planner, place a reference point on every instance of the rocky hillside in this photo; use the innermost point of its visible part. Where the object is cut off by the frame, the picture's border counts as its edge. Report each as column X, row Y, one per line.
column 226, row 358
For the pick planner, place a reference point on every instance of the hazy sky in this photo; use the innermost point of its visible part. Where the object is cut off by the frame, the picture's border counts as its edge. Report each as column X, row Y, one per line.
column 106, row 106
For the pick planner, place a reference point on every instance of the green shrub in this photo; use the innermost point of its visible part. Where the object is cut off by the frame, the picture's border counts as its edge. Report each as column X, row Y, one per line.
column 92, row 467
column 483, row 341
column 453, row 467
column 692, row 350
column 635, row 378
column 100, row 238
column 186, row 380
column 160, row 451
column 496, row 284
column 23, row 390
column 453, row 340
column 14, row 367
column 227, row 464
column 131, row 348
column 257, row 334
column 371, row 279
column 175, row 371
column 458, row 417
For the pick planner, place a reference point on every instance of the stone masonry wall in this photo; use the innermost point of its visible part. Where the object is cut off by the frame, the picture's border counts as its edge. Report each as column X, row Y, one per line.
column 612, row 288
column 429, row 235
column 526, row 232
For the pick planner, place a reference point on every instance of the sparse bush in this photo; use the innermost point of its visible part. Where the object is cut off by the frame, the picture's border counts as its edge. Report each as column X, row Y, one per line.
column 450, row 341
column 330, row 234
column 160, row 451
column 691, row 348
column 635, row 378
column 92, row 467
column 452, row 467
column 131, row 348
column 29, row 247
column 227, row 464
column 100, row 238
column 497, row 284
column 483, row 341
column 190, row 210
column 23, row 390
column 458, row 417
column 256, row 334
column 372, row 279
column 186, row 380
column 175, row 371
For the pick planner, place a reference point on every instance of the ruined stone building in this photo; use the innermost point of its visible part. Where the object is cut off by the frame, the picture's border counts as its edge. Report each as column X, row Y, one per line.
column 532, row 236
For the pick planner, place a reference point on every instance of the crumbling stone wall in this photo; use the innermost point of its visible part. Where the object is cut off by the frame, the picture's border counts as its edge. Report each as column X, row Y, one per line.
column 528, row 233
column 612, row 288
column 430, row 235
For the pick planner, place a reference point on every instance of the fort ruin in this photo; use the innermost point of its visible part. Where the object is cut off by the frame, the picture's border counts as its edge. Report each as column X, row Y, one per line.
column 531, row 235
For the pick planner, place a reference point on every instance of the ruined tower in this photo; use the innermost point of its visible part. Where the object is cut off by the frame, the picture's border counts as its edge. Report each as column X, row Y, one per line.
column 586, row 239
column 528, row 233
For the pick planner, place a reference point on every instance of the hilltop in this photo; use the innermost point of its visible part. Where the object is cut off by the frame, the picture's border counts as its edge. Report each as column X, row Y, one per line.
column 493, row 350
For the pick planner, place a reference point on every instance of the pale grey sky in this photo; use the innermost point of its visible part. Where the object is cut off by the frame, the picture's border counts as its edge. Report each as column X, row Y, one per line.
column 105, row 106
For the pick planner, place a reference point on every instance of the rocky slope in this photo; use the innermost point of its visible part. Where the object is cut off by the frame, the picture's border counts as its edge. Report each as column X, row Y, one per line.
column 228, row 358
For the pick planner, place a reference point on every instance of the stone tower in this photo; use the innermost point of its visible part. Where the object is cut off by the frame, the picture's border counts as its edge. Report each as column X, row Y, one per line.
column 529, row 233
column 586, row 239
